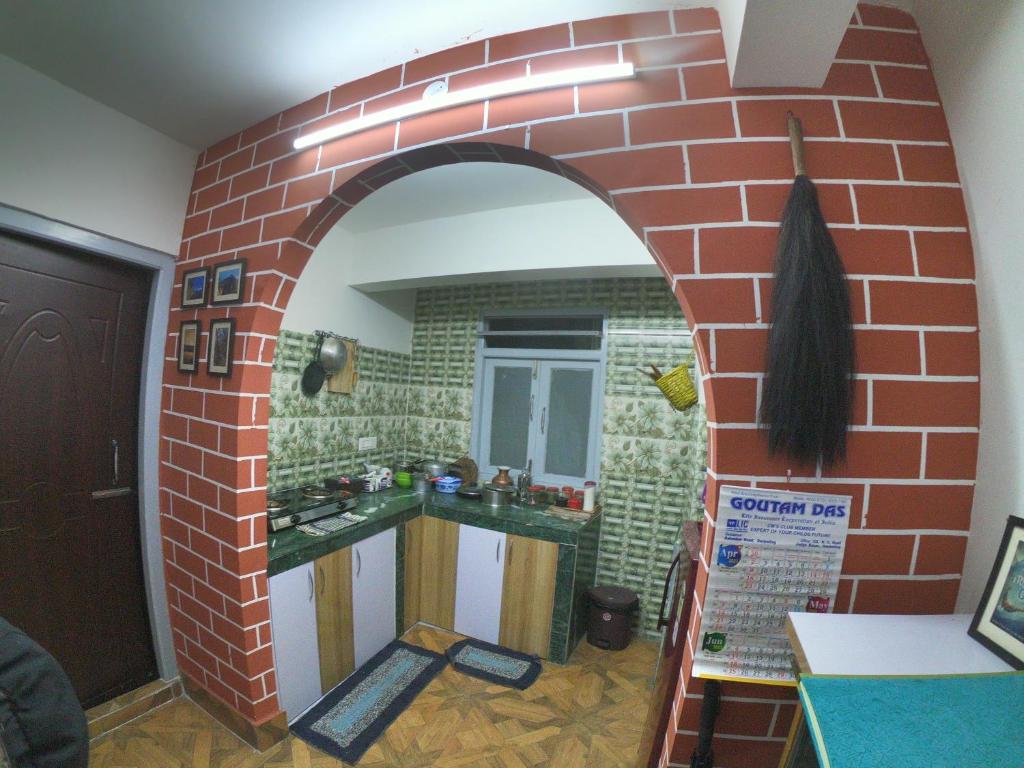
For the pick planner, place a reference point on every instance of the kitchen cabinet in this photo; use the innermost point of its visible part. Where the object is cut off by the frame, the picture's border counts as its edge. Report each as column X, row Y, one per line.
column 373, row 594
column 528, row 595
column 431, row 554
column 294, row 623
column 478, row 583
column 355, row 605
column 333, row 576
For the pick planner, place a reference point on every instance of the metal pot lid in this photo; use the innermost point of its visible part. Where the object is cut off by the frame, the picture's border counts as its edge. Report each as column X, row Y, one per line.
column 470, row 491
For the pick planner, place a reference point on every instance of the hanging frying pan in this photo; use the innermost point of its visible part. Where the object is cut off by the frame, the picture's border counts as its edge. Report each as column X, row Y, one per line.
column 314, row 375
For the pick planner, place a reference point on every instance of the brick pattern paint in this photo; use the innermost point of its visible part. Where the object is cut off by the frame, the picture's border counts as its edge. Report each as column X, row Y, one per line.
column 699, row 172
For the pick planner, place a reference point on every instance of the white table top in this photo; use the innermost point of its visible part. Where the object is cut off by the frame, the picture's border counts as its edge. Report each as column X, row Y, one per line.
column 865, row 644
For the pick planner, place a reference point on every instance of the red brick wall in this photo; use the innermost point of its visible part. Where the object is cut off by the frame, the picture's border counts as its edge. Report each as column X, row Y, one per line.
column 700, row 171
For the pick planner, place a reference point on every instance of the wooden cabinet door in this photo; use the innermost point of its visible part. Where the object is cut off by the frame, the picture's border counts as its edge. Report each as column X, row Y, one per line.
column 334, row 617
column 528, row 595
column 478, row 579
column 373, row 594
column 294, row 629
column 431, row 556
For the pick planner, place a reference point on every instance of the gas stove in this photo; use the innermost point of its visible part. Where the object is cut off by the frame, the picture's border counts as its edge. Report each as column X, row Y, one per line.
column 302, row 505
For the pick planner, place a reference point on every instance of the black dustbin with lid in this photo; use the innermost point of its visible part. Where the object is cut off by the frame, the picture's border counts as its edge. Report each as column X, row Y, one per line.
column 610, row 616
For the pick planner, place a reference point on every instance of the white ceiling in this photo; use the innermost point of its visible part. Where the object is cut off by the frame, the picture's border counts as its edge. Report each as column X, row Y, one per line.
column 200, row 70
column 454, row 190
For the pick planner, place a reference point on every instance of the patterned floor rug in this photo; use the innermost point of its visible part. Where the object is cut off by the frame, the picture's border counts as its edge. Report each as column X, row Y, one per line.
column 346, row 721
column 494, row 663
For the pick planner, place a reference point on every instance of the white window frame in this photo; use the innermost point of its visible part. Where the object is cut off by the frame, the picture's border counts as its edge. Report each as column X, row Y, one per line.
column 598, row 356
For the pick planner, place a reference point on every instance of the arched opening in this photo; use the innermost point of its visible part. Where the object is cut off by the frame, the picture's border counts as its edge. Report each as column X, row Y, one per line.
column 412, row 264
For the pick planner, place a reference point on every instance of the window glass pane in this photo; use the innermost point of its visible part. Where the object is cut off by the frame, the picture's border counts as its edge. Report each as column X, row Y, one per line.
column 568, row 427
column 510, row 416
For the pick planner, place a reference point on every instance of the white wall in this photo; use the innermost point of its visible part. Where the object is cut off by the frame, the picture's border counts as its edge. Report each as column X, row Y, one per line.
column 548, row 241
column 579, row 238
column 978, row 59
column 324, row 300
column 69, row 158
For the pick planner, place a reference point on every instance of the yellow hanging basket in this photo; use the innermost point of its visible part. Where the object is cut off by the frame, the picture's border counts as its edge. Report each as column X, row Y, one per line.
column 676, row 385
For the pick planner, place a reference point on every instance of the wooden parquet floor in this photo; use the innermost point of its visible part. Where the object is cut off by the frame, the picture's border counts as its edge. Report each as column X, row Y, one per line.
column 587, row 714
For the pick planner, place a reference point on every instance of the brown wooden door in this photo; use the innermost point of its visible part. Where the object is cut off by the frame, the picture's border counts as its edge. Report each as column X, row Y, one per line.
column 71, row 334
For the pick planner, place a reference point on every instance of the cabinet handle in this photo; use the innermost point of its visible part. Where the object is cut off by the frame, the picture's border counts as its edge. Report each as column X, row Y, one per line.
column 497, row 551
column 543, row 418
column 508, row 550
column 531, row 407
column 309, row 574
column 323, row 581
column 359, row 563
column 114, row 447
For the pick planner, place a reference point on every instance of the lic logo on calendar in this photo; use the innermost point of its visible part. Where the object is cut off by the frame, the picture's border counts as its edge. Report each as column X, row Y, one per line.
column 729, row 555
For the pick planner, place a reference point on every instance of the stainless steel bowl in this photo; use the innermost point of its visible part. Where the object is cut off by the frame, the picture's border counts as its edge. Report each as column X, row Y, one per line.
column 497, row 496
column 333, row 355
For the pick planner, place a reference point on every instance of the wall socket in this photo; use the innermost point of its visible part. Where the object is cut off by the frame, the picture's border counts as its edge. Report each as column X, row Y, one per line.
column 367, row 443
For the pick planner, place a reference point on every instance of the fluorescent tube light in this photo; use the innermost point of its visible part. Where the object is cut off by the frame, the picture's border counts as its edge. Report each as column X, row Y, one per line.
column 578, row 76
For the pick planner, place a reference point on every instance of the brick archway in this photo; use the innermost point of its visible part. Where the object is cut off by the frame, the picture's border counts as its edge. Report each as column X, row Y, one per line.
column 699, row 171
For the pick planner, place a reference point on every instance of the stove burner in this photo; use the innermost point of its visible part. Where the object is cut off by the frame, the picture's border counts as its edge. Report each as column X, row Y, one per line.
column 317, row 492
column 273, row 505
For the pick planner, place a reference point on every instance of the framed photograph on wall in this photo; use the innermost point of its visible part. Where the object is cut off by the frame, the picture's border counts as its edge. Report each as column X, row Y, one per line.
column 193, row 287
column 229, row 283
column 221, row 346
column 999, row 621
column 188, row 346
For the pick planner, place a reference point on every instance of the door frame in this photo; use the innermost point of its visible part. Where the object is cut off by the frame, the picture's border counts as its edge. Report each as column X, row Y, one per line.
column 161, row 267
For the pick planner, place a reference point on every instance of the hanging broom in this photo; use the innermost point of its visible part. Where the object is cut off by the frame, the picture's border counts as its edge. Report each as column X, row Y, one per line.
column 805, row 405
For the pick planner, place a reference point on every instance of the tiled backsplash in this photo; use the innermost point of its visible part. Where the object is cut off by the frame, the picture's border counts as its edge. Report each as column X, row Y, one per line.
column 312, row 437
column 652, row 457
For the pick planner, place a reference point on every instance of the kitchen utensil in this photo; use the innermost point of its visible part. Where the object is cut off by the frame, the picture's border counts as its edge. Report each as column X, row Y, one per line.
column 433, row 468
column 345, row 380
column 333, row 355
column 421, row 483
column 314, row 375
column 502, row 478
column 497, row 496
column 447, row 484
column 403, row 479
column 469, row 491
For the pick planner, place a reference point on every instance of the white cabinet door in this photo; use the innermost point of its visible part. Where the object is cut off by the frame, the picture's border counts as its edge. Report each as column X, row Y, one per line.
column 293, row 627
column 478, row 583
column 373, row 594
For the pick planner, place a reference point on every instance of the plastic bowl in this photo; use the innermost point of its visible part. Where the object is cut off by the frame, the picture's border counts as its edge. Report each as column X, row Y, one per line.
column 403, row 479
column 447, row 484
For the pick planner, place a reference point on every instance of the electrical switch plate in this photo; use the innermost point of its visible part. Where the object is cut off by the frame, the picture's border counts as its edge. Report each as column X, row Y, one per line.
column 367, row 443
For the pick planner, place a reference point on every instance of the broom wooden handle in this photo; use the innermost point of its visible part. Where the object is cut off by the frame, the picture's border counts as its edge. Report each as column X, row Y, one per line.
column 796, row 144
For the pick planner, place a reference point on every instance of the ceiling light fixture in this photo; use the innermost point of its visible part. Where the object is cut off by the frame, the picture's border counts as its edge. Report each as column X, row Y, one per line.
column 444, row 100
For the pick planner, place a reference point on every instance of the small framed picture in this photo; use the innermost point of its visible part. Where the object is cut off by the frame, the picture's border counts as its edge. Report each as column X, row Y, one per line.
column 188, row 346
column 222, row 342
column 193, row 287
column 999, row 621
column 229, row 283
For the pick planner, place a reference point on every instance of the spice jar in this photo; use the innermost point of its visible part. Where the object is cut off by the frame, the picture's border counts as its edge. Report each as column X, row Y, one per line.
column 536, row 495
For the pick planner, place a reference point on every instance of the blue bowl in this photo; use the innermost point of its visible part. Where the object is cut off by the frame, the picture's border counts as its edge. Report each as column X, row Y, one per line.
column 447, row 484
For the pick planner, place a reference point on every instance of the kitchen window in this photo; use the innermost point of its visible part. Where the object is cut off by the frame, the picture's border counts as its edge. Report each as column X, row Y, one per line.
column 538, row 395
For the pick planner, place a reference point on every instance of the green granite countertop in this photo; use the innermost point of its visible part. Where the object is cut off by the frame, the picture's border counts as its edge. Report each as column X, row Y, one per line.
column 290, row 548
